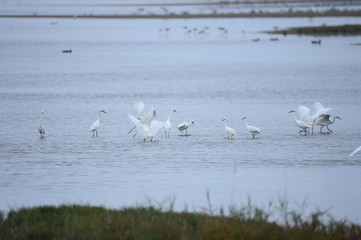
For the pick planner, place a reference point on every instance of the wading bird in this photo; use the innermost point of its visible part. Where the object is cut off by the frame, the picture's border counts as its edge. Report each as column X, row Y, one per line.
column 301, row 124
column 354, row 152
column 231, row 131
column 184, row 126
column 252, row 129
column 167, row 124
column 148, row 132
column 324, row 120
column 41, row 128
column 96, row 125
column 145, row 117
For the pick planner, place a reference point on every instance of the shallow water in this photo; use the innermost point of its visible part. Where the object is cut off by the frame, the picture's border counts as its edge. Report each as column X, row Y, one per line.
column 206, row 78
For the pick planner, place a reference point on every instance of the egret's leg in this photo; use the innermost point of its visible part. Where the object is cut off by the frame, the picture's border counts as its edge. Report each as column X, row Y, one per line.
column 328, row 129
column 131, row 129
column 321, row 129
column 151, row 139
column 93, row 133
column 252, row 135
column 96, row 132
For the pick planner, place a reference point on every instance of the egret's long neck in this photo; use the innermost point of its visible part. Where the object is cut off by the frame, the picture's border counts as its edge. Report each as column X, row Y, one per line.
column 41, row 117
column 100, row 117
column 170, row 114
column 245, row 121
column 334, row 119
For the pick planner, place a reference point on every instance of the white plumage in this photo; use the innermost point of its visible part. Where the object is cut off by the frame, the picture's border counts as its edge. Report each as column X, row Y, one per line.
column 148, row 132
column 355, row 151
column 96, row 125
column 167, row 124
column 252, row 129
column 231, row 131
column 324, row 120
column 301, row 124
column 184, row 126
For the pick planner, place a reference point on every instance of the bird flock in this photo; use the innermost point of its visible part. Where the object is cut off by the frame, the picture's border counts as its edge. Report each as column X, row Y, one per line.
column 148, row 127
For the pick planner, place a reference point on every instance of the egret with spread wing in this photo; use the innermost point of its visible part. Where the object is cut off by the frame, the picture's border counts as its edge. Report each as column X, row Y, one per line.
column 145, row 117
column 148, row 132
column 231, row 131
column 252, row 129
column 96, row 125
column 184, row 126
column 324, row 120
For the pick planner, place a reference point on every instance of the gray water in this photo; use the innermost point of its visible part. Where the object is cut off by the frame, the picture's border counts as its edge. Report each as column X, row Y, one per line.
column 206, row 78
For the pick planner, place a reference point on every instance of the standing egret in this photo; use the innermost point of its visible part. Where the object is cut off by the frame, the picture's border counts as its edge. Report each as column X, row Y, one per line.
column 167, row 124
column 96, row 125
column 324, row 120
column 252, row 129
column 41, row 128
column 301, row 124
column 231, row 131
column 148, row 132
column 354, row 152
column 143, row 116
column 184, row 126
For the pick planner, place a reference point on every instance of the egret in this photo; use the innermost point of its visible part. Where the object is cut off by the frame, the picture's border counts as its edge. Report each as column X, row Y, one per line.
column 301, row 124
column 252, row 129
column 354, row 152
column 308, row 117
column 167, row 124
column 148, row 132
column 96, row 125
column 184, row 126
column 324, row 120
column 143, row 116
column 231, row 131
column 41, row 127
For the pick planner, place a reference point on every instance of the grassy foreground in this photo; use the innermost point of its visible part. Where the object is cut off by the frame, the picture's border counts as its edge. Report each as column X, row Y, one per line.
column 86, row 222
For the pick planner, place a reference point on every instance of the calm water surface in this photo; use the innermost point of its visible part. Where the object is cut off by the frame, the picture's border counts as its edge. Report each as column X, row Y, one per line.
column 206, row 78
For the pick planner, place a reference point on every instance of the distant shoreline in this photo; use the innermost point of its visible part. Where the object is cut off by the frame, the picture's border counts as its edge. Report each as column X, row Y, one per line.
column 330, row 13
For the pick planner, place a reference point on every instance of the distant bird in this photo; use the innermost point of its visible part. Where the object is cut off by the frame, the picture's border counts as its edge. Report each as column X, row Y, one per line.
column 143, row 116
column 148, row 132
column 41, row 127
column 167, row 124
column 231, row 131
column 252, row 129
column 301, row 124
column 355, row 151
column 324, row 120
column 96, row 125
column 67, row 51
column 316, row 42
column 184, row 126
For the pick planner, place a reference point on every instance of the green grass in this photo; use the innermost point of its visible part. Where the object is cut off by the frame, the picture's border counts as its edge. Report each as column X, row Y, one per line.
column 89, row 222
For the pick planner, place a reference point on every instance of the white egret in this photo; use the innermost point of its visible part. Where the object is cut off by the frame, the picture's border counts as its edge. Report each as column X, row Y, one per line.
column 167, row 124
column 148, row 132
column 184, row 126
column 96, row 125
column 143, row 116
column 308, row 117
column 301, row 124
column 354, row 152
column 231, row 131
column 252, row 129
column 324, row 120
column 41, row 128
